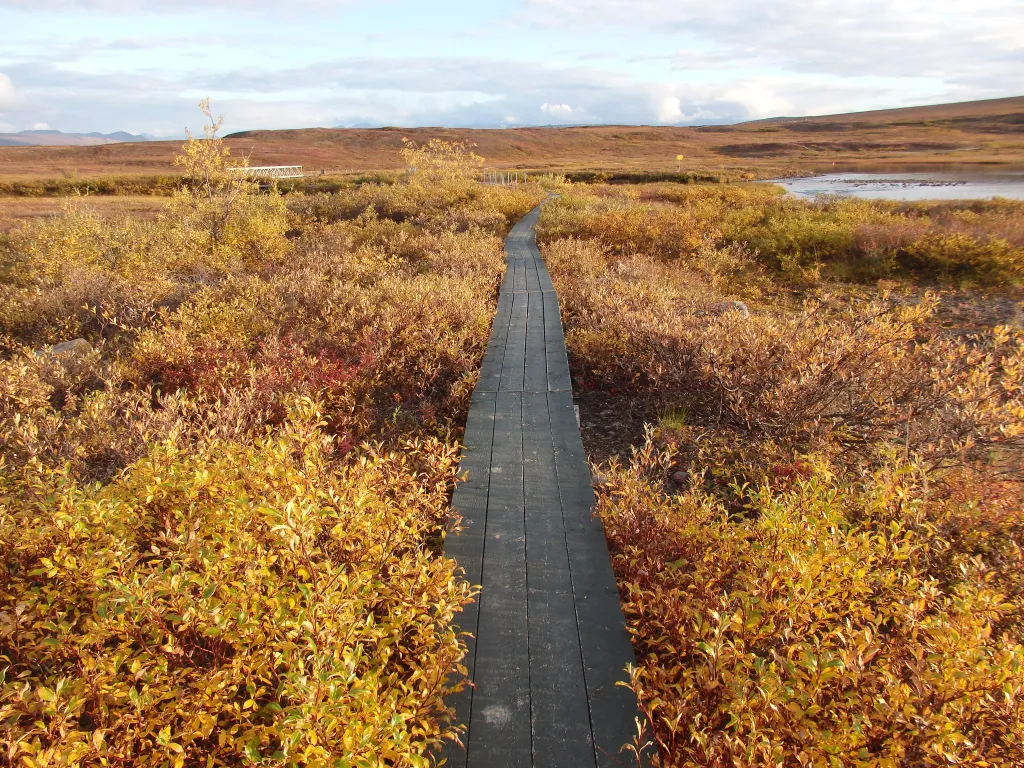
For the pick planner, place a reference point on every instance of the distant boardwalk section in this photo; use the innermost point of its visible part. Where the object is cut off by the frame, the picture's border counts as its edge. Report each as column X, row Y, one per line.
column 550, row 641
column 271, row 171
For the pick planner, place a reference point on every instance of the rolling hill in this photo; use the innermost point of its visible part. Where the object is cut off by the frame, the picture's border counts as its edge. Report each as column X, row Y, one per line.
column 982, row 132
column 48, row 138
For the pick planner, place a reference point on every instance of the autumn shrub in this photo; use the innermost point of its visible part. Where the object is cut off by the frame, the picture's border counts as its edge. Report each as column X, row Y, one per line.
column 813, row 631
column 449, row 164
column 70, row 185
column 848, row 238
column 227, row 604
column 222, row 506
column 462, row 208
column 819, row 542
column 83, row 275
column 72, row 276
column 390, row 330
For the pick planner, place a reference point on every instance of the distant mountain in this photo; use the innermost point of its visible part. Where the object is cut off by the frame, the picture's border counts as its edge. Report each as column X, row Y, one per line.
column 365, row 122
column 59, row 139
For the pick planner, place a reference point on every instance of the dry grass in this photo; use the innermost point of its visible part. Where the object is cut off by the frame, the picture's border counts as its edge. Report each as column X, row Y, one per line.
column 21, row 210
column 976, row 132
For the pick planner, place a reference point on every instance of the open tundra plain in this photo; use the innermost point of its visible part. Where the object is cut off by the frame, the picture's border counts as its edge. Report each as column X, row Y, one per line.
column 391, row 465
column 980, row 132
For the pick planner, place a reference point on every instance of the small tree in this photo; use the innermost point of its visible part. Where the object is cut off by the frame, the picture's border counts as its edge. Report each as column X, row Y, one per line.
column 442, row 163
column 212, row 185
column 218, row 212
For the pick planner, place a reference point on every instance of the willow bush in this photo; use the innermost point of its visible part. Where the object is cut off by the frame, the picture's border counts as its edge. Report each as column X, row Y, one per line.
column 819, row 543
column 979, row 242
column 230, row 601
column 222, row 512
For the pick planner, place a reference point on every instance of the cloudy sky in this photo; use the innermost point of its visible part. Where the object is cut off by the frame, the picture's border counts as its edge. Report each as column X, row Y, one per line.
column 142, row 65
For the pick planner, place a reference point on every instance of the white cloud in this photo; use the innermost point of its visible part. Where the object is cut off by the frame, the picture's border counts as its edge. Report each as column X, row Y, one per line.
column 670, row 110
column 978, row 44
column 557, row 110
column 8, row 96
column 760, row 98
column 420, row 91
column 40, row 127
column 735, row 60
column 167, row 6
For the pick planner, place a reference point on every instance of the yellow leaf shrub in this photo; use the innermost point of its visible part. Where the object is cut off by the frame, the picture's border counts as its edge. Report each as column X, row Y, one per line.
column 811, row 631
column 820, row 540
column 221, row 526
column 439, row 163
column 81, row 275
column 972, row 241
column 230, row 603
column 218, row 215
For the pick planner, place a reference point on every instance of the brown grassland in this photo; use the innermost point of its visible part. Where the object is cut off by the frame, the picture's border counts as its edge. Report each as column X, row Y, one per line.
column 818, row 538
column 15, row 211
column 982, row 132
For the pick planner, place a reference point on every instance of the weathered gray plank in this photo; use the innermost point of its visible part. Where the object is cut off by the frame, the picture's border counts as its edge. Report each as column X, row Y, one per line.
column 520, row 275
column 536, row 372
column 550, row 638
column 604, row 642
column 490, row 367
column 467, row 546
column 507, row 279
column 561, row 720
column 533, row 267
column 553, row 333
column 513, row 367
column 558, row 368
column 500, row 718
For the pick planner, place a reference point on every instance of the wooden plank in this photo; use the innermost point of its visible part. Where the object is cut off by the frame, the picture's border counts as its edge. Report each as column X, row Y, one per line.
column 532, row 276
column 490, row 367
column 513, row 367
column 500, row 718
column 553, row 332
column 507, row 278
column 479, row 431
column 558, row 368
column 520, row 276
column 467, row 547
column 559, row 379
column 604, row 642
column 545, row 280
column 561, row 718
column 550, row 638
column 536, row 373
column 502, row 313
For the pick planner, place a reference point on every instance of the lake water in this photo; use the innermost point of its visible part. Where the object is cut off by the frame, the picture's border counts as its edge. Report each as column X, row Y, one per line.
column 944, row 185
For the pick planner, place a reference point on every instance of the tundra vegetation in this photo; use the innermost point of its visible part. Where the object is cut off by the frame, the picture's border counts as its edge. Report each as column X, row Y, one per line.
column 221, row 508
column 818, row 538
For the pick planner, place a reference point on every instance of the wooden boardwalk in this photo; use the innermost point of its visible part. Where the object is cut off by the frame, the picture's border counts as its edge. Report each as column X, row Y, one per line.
column 549, row 637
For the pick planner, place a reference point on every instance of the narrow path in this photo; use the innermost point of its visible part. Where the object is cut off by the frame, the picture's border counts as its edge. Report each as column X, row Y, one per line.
column 550, row 640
